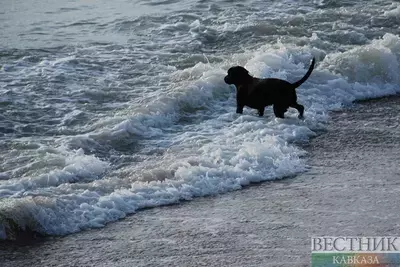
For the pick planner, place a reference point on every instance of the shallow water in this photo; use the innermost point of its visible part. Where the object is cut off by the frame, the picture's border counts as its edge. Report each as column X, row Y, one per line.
column 108, row 108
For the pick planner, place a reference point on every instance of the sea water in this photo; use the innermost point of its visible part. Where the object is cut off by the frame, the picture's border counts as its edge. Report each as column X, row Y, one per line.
column 107, row 108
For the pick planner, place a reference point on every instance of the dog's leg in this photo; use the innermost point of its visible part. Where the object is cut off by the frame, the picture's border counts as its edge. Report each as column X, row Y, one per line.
column 240, row 100
column 261, row 111
column 300, row 109
column 279, row 111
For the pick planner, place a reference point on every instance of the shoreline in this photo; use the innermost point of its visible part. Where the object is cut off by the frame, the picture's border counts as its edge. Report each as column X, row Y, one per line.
column 349, row 190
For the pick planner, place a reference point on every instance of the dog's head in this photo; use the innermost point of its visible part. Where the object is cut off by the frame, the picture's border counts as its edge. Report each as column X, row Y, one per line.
column 237, row 75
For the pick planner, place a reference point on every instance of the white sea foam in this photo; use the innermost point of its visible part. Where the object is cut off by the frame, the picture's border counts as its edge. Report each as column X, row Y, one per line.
column 72, row 167
column 374, row 63
column 394, row 12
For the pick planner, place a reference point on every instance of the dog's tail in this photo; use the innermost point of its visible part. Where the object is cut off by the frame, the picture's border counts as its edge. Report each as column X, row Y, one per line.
column 302, row 80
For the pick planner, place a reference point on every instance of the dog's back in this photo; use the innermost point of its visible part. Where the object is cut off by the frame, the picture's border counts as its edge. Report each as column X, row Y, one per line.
column 270, row 91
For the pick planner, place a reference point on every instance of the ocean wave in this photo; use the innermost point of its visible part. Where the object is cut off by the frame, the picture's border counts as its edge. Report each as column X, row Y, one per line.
column 70, row 167
column 377, row 62
column 213, row 154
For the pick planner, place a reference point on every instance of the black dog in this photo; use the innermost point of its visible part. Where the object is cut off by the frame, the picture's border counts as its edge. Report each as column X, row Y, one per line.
column 259, row 93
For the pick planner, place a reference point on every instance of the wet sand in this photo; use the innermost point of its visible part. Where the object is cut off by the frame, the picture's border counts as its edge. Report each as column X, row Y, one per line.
column 351, row 189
